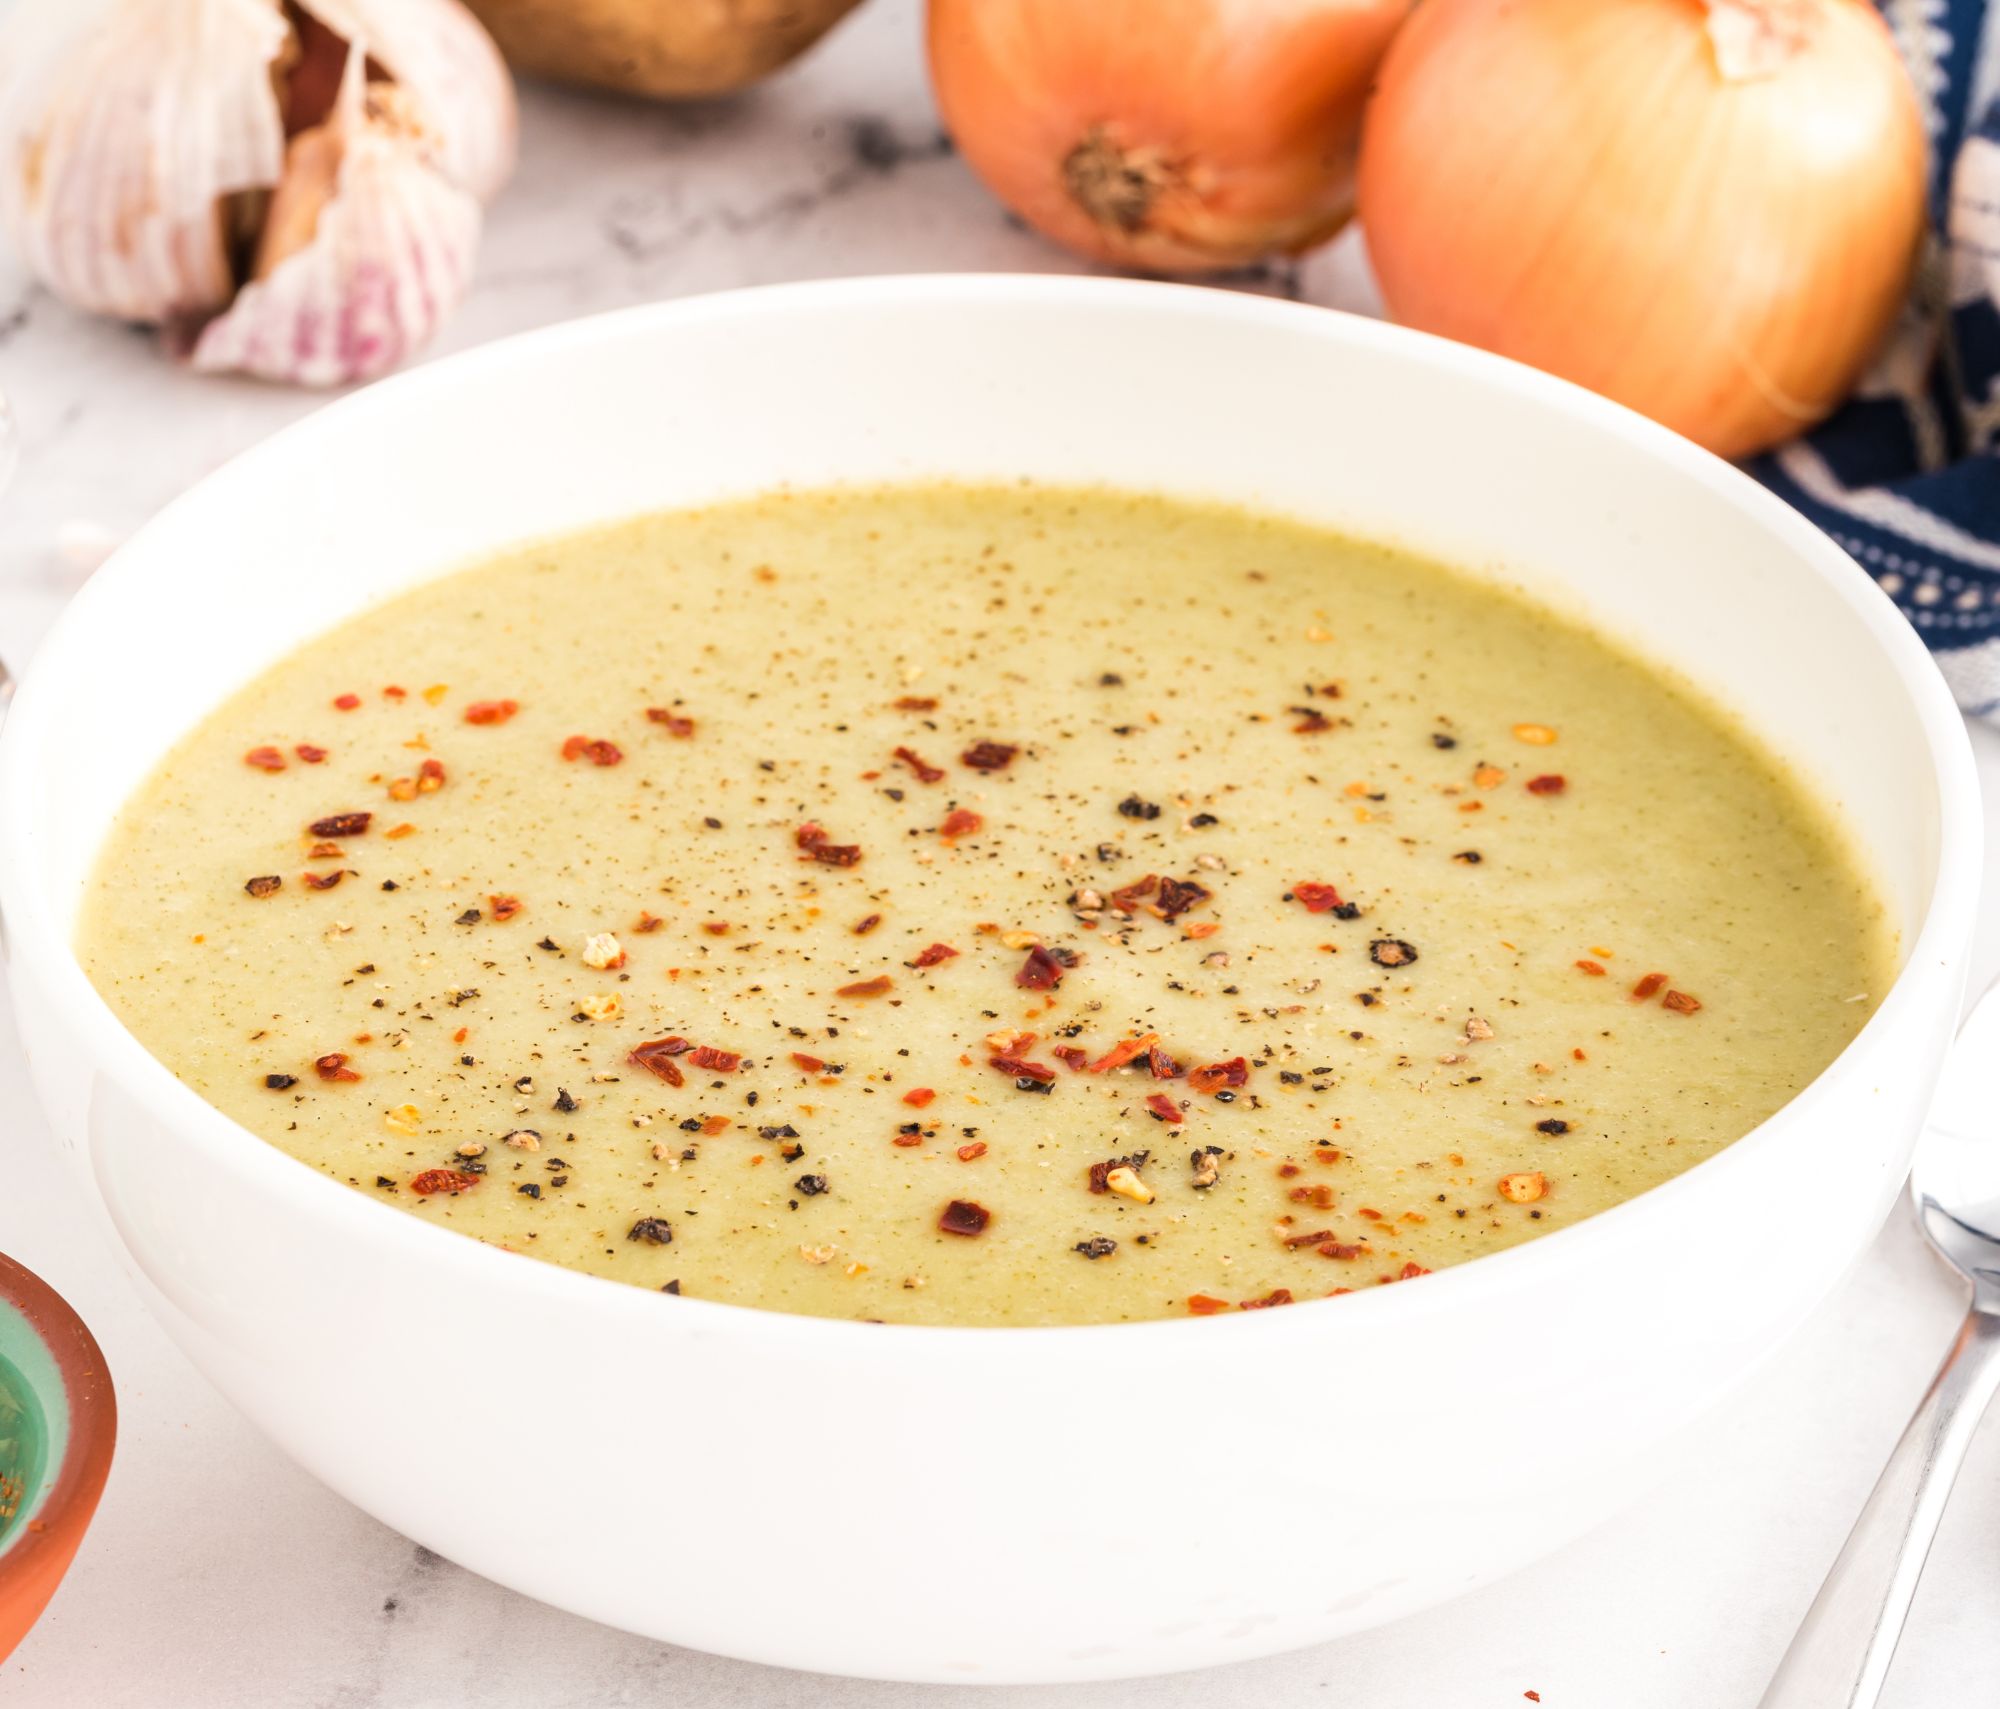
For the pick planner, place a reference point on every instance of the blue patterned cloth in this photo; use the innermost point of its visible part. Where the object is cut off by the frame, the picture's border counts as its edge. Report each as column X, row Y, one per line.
column 1906, row 475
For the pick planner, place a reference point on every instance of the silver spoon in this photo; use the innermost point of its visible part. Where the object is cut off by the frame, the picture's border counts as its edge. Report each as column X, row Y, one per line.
column 1841, row 1654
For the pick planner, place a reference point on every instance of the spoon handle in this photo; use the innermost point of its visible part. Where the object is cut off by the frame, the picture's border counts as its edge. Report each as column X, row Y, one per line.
column 1840, row 1655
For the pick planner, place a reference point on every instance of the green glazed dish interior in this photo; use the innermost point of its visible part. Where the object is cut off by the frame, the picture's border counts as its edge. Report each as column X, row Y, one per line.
column 34, row 1424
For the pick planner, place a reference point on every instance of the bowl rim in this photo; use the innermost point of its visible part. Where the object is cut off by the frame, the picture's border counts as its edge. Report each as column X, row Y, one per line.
column 1937, row 948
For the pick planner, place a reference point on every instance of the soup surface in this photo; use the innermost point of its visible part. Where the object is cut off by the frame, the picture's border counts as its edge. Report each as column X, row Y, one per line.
column 982, row 906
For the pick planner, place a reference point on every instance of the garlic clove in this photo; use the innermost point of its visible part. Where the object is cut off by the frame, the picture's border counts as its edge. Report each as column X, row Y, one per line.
column 367, row 248
column 125, row 130
column 441, row 57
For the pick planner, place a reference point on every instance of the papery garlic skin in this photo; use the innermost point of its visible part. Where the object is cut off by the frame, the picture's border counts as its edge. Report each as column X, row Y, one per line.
column 123, row 130
column 367, row 249
column 442, row 58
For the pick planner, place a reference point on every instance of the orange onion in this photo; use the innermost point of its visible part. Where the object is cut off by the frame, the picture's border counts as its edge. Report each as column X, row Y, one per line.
column 1706, row 209
column 1172, row 136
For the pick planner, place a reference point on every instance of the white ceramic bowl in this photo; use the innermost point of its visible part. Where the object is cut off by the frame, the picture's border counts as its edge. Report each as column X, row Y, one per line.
column 983, row 1504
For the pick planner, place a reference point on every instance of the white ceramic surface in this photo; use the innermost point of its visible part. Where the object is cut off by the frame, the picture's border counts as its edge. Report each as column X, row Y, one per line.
column 954, row 1492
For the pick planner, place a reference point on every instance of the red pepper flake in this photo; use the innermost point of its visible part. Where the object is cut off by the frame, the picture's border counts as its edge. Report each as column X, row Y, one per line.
column 392, row 692
column 1040, row 972
column 442, row 1181
column 966, row 1153
column 916, row 703
column 962, row 1216
column 674, row 723
column 1075, row 1059
column 1127, row 900
column 1594, row 968
column 1164, row 1108
column 932, row 956
column 866, row 924
column 657, row 1057
column 323, row 880
column 813, row 840
column 1321, row 1198
column 333, row 1067
column 1277, row 1296
column 1287, row 1170
column 1319, row 898
column 926, row 772
column 504, row 907
column 1532, row 1696
column 267, row 884
column 919, row 1097
column 713, row 1125
column 1680, row 1002
column 1311, row 721
column 598, row 752
column 1549, row 783
column 1410, row 1271
column 1124, row 1051
column 265, row 759
column 403, row 830
column 988, row 756
column 341, row 825
column 1205, row 1305
column 908, row 1140
column 806, row 1064
column 308, row 754
column 961, row 822
column 491, row 711
column 715, row 1061
column 1019, row 1068
column 1371, row 1215
column 716, row 928
column 1177, row 896
column 875, row 987
column 648, row 922
column 1648, row 987
column 1220, row 1076
column 1161, row 1065
column 430, row 777
column 324, row 851
column 1340, row 1250
column 347, row 702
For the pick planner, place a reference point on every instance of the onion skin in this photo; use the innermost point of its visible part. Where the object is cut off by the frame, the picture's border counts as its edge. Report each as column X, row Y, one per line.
column 1168, row 136
column 1579, row 186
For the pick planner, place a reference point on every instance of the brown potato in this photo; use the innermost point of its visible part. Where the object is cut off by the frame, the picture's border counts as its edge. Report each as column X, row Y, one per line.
column 671, row 48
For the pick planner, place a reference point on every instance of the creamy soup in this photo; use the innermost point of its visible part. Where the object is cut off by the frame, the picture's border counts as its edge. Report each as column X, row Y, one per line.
column 982, row 906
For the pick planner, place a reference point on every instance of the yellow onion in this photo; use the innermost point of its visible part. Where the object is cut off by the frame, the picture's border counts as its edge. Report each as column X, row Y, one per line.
column 1174, row 136
column 1706, row 209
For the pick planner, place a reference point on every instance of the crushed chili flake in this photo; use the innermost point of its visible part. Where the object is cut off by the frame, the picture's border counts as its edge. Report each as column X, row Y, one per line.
column 1311, row 721
column 1680, row 1002
column 1595, row 969
column 919, row 1097
column 1160, row 1065
column 911, row 1136
column 715, row 1061
column 812, row 839
column 1321, row 1197
column 968, row 1153
column 308, row 754
column 648, row 922
column 807, row 1064
column 673, row 722
column 405, row 829
column 265, row 884
column 932, row 956
column 866, row 924
column 1525, row 1188
column 491, row 711
column 1129, row 897
column 1020, row 1069
column 1410, row 1271
column 1072, row 1057
column 651, row 1231
column 1342, row 1251
column 1391, row 952
column 961, row 822
column 1277, row 1296
column 597, row 751
column 323, row 880
column 1323, row 898
column 1648, row 987
column 442, row 1181
column 1316, row 1237
column 265, row 759
column 1549, row 783
column 1489, row 777
column 324, row 851
column 875, row 987
column 347, row 702
column 430, row 777
column 341, row 825
column 1164, row 1108
column 505, row 907
column 1040, row 972
column 963, row 1216
column 657, row 1057
column 1124, row 1051
column 926, row 772
column 1219, row 1076
column 332, row 1067
column 1177, row 896
column 989, row 756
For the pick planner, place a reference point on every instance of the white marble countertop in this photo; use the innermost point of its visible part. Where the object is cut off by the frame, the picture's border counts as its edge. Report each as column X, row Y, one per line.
column 219, row 1576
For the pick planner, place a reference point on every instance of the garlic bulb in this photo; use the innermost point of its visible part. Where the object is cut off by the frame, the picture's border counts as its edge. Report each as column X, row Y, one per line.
column 293, row 190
